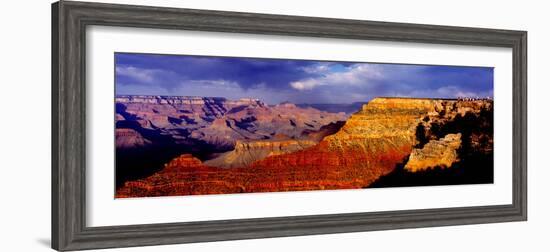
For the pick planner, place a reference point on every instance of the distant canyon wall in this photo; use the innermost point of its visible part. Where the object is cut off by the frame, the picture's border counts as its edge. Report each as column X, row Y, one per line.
column 216, row 121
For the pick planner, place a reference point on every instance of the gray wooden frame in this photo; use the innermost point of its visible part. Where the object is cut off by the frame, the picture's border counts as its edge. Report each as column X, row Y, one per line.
column 69, row 20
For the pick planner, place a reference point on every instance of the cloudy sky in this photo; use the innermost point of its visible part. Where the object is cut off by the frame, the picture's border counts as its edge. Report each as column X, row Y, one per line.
column 296, row 81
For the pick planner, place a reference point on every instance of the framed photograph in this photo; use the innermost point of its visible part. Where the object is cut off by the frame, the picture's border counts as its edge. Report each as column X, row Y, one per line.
column 178, row 125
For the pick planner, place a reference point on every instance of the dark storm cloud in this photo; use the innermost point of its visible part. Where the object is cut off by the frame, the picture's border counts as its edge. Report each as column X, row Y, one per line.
column 171, row 70
column 297, row 81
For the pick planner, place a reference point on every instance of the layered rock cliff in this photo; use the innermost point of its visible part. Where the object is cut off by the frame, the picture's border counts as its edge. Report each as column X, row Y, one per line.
column 369, row 145
column 248, row 152
column 436, row 153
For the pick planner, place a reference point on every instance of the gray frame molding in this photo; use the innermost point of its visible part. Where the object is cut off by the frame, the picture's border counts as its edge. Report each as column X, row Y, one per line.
column 69, row 20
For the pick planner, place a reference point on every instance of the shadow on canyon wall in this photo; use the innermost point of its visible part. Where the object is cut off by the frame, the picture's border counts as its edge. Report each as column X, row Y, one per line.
column 141, row 162
column 476, row 155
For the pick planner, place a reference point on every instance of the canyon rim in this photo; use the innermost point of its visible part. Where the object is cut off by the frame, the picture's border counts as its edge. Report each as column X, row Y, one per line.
column 187, row 125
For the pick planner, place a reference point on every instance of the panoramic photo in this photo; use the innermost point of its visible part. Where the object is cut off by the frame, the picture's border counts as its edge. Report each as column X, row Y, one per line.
column 197, row 125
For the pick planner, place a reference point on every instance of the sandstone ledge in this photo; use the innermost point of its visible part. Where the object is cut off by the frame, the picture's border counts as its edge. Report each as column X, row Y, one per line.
column 436, row 153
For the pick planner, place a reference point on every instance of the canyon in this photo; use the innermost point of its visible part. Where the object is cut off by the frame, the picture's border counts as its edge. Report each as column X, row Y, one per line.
column 153, row 129
column 255, row 147
column 217, row 121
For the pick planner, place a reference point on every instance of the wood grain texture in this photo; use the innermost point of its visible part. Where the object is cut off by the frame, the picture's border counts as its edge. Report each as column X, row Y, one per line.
column 69, row 20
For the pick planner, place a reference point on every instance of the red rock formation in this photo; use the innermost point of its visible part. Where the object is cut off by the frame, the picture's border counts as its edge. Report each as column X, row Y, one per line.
column 436, row 153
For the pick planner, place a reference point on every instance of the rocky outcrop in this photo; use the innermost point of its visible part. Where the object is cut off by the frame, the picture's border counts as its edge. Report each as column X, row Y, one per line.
column 184, row 162
column 129, row 139
column 436, row 153
column 248, row 152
